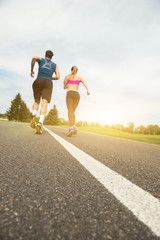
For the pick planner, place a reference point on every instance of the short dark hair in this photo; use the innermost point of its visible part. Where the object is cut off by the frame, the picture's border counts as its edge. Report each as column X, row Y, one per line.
column 49, row 54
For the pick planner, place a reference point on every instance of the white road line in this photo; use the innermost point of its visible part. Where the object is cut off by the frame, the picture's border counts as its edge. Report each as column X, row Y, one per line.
column 141, row 203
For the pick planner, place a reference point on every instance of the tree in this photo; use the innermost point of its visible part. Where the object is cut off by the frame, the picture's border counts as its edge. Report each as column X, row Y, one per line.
column 3, row 115
column 24, row 113
column 126, row 129
column 107, row 126
column 140, row 129
column 92, row 124
column 52, row 117
column 79, row 124
column 156, row 130
column 153, row 129
column 118, row 127
column 18, row 110
column 62, row 121
column 150, row 129
column 97, row 124
column 85, row 124
column 131, row 127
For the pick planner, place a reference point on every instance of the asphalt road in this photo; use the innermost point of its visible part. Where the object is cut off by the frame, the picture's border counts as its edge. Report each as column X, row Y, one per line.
column 45, row 193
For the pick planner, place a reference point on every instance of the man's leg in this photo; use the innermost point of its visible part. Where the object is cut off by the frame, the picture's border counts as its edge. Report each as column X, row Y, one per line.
column 34, row 113
column 37, row 95
column 43, row 110
column 35, row 107
column 46, row 97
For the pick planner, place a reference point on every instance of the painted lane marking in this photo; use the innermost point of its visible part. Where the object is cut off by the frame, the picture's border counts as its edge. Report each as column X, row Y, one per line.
column 141, row 203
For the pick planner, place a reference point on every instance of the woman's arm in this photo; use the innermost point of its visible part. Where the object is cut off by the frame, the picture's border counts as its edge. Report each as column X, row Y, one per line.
column 57, row 77
column 84, row 83
column 65, row 82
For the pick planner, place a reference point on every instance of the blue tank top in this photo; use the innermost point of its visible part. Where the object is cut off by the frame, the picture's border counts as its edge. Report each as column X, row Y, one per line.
column 46, row 68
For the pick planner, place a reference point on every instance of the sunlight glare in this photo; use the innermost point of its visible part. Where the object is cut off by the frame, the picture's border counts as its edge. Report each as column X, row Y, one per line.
column 109, row 117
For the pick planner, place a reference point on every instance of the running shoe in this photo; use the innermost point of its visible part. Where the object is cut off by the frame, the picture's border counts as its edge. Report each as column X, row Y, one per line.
column 71, row 132
column 38, row 128
column 75, row 130
column 33, row 122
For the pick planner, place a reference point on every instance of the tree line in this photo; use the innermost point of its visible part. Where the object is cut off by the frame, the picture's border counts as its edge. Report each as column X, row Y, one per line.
column 19, row 111
column 151, row 129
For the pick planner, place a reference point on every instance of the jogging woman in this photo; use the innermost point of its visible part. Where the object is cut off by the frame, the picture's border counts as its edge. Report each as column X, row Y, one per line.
column 71, row 83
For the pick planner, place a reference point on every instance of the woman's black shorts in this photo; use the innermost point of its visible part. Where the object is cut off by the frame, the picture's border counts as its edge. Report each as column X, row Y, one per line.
column 42, row 87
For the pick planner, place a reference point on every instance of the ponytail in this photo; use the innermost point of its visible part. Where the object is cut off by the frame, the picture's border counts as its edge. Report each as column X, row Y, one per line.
column 74, row 70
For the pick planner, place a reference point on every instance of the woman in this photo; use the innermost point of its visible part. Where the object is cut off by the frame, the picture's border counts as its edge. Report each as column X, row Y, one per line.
column 71, row 83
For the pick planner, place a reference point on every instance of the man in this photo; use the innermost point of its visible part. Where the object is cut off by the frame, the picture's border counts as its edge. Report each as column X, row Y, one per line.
column 42, row 87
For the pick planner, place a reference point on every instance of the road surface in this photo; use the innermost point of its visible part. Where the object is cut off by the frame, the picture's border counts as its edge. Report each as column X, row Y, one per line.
column 86, row 187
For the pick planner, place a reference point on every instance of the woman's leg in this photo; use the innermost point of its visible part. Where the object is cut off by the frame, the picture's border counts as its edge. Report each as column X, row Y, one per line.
column 75, row 104
column 69, row 102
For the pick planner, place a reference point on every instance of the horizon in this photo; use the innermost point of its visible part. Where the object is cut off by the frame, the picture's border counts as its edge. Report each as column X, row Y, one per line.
column 93, row 122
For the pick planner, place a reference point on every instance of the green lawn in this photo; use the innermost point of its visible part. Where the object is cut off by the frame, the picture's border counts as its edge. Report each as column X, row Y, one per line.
column 153, row 139
column 3, row 119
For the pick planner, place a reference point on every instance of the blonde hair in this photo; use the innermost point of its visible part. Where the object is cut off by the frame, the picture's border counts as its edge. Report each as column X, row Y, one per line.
column 74, row 70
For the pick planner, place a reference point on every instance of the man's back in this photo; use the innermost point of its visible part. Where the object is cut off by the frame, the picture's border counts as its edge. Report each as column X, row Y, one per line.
column 46, row 68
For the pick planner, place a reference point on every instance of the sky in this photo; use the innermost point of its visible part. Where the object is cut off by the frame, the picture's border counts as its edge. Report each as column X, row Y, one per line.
column 114, row 43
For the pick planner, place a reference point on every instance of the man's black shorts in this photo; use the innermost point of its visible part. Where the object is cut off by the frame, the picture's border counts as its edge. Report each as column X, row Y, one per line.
column 42, row 87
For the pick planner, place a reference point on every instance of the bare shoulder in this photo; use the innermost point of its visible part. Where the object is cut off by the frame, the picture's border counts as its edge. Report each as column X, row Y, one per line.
column 66, row 77
column 80, row 79
column 37, row 59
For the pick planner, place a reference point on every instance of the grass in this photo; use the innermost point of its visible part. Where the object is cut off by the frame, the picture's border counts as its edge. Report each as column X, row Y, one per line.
column 152, row 139
column 3, row 119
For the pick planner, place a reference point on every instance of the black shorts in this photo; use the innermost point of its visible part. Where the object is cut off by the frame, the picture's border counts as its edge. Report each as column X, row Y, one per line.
column 42, row 87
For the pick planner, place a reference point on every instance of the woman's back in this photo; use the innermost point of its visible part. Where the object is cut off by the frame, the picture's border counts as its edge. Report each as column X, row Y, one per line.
column 73, row 82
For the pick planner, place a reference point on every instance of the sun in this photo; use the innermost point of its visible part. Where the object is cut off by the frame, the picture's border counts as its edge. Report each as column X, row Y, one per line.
column 110, row 117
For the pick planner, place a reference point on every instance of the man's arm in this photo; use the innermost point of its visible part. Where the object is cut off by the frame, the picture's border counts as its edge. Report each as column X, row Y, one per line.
column 34, row 59
column 57, row 77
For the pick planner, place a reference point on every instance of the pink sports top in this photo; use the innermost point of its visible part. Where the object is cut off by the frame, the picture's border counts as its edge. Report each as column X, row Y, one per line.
column 73, row 81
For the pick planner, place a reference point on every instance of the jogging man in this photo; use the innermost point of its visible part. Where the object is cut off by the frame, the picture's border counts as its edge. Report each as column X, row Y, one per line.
column 42, row 87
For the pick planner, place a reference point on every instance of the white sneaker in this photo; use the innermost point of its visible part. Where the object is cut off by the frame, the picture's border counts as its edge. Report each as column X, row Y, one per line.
column 38, row 128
